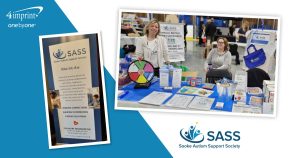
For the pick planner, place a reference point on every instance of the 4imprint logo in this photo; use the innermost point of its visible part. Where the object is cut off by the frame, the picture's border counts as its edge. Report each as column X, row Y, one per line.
column 192, row 134
column 25, row 14
column 20, row 18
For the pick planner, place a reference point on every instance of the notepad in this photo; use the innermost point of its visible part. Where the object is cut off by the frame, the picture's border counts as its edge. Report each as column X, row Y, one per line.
column 155, row 98
column 180, row 101
column 201, row 103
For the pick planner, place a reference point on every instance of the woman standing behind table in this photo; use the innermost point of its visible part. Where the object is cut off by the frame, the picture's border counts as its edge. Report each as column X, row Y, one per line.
column 242, row 34
column 220, row 57
column 152, row 47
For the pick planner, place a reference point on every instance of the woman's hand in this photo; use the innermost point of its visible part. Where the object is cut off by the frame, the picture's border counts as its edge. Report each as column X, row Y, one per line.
column 206, row 70
column 140, row 58
column 141, row 72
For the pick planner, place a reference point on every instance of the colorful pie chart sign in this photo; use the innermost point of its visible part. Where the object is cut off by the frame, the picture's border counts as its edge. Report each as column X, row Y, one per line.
column 141, row 71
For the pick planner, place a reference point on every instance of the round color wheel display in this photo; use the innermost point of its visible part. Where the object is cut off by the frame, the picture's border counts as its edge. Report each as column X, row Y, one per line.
column 141, row 71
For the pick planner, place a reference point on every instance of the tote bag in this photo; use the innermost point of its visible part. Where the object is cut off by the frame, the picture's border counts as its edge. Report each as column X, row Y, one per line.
column 256, row 58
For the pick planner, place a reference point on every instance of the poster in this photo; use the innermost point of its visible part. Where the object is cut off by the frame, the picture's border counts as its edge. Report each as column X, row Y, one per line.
column 71, row 69
column 175, row 40
column 267, row 41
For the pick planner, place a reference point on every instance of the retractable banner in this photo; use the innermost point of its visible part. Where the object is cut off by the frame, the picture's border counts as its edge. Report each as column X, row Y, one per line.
column 71, row 68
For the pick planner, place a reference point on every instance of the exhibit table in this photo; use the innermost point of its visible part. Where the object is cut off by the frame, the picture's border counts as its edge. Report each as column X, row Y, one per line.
column 133, row 96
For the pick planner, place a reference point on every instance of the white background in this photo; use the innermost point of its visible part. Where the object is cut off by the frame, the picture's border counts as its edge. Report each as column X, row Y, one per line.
column 260, row 136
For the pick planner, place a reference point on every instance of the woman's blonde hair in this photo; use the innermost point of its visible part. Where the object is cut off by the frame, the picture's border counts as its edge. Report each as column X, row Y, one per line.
column 245, row 24
column 146, row 29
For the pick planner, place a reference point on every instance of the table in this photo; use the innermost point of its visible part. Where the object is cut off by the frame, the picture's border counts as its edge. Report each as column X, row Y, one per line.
column 130, row 100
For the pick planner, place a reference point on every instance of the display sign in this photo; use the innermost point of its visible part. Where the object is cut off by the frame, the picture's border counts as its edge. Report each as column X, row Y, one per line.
column 260, row 38
column 175, row 40
column 71, row 69
column 265, row 41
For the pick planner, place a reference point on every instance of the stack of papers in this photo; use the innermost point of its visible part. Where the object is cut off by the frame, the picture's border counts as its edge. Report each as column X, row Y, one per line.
column 243, row 108
column 201, row 103
column 179, row 101
column 155, row 98
column 195, row 91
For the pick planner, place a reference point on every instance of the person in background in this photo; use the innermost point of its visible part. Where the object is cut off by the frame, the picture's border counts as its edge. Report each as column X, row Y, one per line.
column 184, row 31
column 220, row 57
column 96, row 100
column 55, row 100
column 172, row 18
column 140, row 22
column 242, row 33
column 54, row 103
column 152, row 47
column 201, row 31
column 210, row 30
column 232, row 29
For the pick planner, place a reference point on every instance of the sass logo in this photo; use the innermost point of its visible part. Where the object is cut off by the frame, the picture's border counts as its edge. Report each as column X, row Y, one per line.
column 170, row 28
column 30, row 13
column 192, row 134
column 59, row 54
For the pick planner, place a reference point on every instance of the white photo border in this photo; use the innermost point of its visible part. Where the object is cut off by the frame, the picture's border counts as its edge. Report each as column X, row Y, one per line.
column 199, row 111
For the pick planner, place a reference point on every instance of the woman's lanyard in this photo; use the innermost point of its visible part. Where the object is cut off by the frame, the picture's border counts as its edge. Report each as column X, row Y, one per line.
column 153, row 47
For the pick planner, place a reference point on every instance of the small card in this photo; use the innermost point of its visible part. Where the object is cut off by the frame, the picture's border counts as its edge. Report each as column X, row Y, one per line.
column 219, row 105
column 254, row 91
column 209, row 86
column 176, row 81
column 256, row 100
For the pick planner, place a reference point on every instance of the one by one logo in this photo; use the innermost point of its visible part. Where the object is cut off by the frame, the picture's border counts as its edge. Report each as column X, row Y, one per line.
column 59, row 54
column 192, row 135
column 30, row 13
